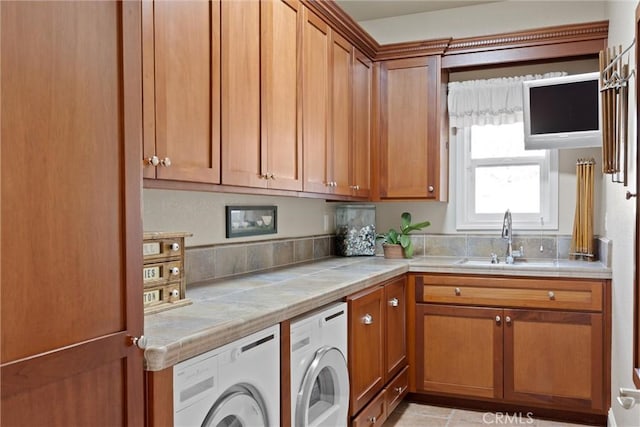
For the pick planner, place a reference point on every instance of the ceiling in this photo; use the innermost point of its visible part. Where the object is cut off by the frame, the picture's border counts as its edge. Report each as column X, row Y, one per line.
column 364, row 10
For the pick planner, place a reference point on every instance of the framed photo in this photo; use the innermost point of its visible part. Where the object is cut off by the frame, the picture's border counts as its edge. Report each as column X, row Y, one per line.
column 251, row 220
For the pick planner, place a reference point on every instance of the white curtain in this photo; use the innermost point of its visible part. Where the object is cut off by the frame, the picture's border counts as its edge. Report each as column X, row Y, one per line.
column 488, row 102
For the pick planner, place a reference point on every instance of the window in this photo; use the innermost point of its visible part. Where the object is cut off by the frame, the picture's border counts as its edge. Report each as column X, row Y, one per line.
column 495, row 173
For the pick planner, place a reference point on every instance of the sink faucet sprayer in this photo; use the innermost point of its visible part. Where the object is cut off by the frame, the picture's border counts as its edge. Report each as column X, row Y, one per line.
column 507, row 231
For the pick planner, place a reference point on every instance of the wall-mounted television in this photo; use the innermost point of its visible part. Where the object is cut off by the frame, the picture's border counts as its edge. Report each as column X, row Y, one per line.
column 562, row 112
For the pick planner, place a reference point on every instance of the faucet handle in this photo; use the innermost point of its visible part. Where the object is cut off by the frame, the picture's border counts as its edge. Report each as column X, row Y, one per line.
column 494, row 258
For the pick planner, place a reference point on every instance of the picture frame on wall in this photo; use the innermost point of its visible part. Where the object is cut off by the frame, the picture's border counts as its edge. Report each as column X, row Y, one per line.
column 245, row 221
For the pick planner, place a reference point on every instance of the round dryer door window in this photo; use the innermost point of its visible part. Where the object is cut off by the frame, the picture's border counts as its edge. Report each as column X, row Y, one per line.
column 323, row 399
column 238, row 407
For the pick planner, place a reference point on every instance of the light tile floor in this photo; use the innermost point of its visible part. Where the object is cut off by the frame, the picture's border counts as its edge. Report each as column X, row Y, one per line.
column 418, row 415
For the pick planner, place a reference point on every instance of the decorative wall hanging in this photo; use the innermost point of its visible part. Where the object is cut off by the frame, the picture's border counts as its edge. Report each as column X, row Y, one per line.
column 251, row 220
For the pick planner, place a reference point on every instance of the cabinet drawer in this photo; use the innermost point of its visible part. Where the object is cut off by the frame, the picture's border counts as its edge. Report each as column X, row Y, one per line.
column 566, row 294
column 161, row 272
column 161, row 249
column 396, row 390
column 373, row 415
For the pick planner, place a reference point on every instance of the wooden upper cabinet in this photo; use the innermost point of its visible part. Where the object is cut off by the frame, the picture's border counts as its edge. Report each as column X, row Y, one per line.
column 261, row 140
column 71, row 288
column 341, row 115
column 181, row 72
column 281, row 22
column 361, row 126
column 413, row 154
column 315, row 102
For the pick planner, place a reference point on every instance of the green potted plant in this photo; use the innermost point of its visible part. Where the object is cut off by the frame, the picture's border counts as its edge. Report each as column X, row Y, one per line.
column 398, row 244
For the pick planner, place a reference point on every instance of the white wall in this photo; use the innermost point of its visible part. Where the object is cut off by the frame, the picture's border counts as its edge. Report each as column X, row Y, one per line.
column 203, row 214
column 492, row 18
column 619, row 226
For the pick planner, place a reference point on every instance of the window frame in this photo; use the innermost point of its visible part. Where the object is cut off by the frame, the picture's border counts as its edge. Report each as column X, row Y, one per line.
column 466, row 217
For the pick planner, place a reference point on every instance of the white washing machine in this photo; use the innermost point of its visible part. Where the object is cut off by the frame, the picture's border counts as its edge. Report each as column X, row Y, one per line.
column 234, row 385
column 319, row 373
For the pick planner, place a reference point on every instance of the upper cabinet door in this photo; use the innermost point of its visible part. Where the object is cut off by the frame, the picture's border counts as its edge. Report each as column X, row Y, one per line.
column 315, row 104
column 411, row 160
column 361, row 126
column 71, row 288
column 341, row 117
column 281, row 47
column 241, row 155
column 182, row 83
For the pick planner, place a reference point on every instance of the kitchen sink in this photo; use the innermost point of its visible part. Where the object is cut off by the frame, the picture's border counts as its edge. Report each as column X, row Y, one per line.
column 521, row 263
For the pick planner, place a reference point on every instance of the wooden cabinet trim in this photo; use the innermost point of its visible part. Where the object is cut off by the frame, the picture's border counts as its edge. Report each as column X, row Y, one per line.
column 159, row 398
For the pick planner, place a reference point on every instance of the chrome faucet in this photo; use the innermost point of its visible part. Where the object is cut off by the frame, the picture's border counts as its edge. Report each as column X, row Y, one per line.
column 507, row 233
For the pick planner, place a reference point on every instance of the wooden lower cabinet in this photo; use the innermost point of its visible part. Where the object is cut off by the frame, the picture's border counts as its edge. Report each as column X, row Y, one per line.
column 460, row 351
column 529, row 357
column 377, row 351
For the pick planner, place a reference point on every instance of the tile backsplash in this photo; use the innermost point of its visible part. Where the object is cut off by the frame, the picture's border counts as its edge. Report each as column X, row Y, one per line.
column 222, row 261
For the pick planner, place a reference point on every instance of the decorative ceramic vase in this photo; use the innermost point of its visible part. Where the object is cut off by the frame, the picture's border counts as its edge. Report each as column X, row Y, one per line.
column 393, row 251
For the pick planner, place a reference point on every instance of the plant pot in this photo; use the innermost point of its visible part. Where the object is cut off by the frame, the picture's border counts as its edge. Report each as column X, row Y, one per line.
column 393, row 251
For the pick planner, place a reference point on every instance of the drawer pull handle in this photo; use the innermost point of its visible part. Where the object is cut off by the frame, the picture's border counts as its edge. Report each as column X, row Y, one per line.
column 373, row 420
column 399, row 390
column 166, row 162
column 552, row 295
column 457, row 290
column 175, row 246
column 498, row 319
column 508, row 320
column 367, row 319
column 174, row 271
column 393, row 302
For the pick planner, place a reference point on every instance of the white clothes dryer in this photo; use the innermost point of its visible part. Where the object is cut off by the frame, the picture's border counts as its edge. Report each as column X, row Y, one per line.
column 234, row 385
column 319, row 373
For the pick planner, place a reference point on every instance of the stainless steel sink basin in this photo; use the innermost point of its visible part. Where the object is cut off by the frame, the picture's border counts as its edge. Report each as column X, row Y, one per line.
column 517, row 264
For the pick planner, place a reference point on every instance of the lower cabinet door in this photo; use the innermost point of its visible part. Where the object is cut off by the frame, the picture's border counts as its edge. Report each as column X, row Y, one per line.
column 459, row 350
column 554, row 358
column 396, row 390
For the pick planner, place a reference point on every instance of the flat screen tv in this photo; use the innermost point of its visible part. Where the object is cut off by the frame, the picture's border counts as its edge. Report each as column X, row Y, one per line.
column 562, row 112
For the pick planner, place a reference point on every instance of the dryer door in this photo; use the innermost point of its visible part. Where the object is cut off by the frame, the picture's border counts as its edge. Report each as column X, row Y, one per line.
column 323, row 399
column 238, row 407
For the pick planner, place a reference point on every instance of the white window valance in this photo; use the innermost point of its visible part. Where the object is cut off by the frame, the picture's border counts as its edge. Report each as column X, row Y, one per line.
column 488, row 102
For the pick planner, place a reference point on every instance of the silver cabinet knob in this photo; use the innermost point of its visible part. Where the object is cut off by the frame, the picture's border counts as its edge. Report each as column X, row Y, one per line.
column 357, row 187
column 552, row 295
column 367, row 319
column 175, row 246
column 508, row 320
column 166, row 162
column 393, row 302
column 457, row 291
column 431, row 188
column 498, row 319
column 140, row 342
column 272, row 176
column 373, row 420
column 174, row 271
column 264, row 176
column 153, row 161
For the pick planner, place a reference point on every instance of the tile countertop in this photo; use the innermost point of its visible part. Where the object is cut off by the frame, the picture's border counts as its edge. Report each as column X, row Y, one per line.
column 226, row 310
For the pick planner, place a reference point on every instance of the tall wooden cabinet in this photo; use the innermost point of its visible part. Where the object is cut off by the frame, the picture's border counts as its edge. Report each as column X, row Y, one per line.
column 377, row 351
column 361, row 126
column 412, row 129
column 261, row 132
column 71, row 224
column 181, row 78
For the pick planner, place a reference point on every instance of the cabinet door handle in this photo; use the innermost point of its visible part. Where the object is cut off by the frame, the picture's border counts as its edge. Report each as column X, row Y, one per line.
column 393, row 302
column 399, row 390
column 166, row 162
column 498, row 319
column 552, row 295
column 373, row 420
column 508, row 320
column 431, row 188
column 153, row 161
column 140, row 342
column 457, row 291
column 367, row 319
